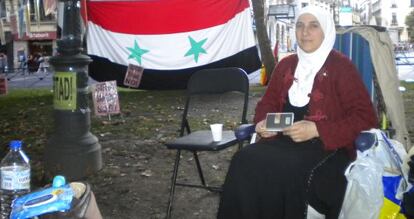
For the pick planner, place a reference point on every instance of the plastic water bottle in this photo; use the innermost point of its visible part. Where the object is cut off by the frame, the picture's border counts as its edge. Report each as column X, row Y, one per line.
column 15, row 177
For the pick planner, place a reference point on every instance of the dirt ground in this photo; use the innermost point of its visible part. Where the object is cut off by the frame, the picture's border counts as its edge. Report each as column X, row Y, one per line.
column 136, row 175
column 135, row 179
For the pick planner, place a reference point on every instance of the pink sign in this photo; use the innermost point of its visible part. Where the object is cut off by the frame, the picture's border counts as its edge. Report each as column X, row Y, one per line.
column 105, row 98
column 133, row 75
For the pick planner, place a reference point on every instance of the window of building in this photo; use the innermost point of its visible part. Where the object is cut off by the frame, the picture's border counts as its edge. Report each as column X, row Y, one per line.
column 3, row 9
column 277, row 32
column 270, row 32
column 412, row 3
column 40, row 14
column 304, row 4
column 394, row 19
column 378, row 20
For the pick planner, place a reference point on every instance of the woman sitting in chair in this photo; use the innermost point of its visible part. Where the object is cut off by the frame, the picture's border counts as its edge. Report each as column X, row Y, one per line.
column 300, row 170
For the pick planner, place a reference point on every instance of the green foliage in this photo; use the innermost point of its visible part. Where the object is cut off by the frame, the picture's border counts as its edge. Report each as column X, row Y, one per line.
column 409, row 21
column 407, row 85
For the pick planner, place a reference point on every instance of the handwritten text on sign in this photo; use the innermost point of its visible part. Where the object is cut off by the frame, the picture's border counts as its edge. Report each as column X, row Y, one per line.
column 64, row 87
column 133, row 75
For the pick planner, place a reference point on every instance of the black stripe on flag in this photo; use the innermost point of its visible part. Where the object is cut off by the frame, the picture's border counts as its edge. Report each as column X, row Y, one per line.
column 101, row 69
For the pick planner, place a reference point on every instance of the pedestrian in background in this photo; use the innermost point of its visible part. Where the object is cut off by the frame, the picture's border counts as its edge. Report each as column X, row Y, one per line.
column 3, row 62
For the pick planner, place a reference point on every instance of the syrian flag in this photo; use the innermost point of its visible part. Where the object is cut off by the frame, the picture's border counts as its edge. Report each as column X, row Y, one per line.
column 170, row 39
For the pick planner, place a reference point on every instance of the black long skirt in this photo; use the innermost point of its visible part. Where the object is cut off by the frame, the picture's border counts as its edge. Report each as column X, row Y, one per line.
column 279, row 178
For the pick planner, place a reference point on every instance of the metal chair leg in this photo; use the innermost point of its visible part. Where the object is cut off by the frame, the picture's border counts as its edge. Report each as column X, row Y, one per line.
column 200, row 171
column 173, row 182
column 240, row 144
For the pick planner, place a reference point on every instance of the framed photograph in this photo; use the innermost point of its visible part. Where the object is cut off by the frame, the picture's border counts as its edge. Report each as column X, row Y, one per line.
column 278, row 121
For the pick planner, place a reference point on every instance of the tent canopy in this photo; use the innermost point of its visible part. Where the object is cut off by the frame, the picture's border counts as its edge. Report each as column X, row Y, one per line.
column 382, row 57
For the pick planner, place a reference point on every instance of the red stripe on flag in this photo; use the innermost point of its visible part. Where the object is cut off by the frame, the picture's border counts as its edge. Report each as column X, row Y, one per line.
column 84, row 11
column 163, row 16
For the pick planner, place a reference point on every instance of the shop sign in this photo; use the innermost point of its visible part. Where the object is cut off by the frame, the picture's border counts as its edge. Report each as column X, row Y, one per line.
column 37, row 36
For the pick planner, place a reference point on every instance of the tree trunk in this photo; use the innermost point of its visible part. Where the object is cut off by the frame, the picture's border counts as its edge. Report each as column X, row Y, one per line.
column 264, row 43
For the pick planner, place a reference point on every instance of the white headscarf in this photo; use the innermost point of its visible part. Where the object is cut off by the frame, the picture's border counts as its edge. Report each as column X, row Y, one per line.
column 310, row 63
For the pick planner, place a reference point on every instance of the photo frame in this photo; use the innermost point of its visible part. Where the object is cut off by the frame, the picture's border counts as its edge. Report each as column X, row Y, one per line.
column 279, row 121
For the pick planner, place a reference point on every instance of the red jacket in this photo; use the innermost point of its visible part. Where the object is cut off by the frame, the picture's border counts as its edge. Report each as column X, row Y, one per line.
column 339, row 103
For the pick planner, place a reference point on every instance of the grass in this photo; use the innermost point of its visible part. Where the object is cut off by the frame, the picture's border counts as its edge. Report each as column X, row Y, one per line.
column 27, row 115
column 407, row 85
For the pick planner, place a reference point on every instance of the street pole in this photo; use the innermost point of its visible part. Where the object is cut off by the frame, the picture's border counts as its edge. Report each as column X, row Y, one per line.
column 72, row 151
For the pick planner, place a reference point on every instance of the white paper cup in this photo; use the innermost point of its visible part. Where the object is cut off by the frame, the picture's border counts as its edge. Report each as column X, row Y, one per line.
column 216, row 131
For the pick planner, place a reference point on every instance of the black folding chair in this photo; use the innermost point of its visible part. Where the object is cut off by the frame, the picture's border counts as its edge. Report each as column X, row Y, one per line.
column 207, row 82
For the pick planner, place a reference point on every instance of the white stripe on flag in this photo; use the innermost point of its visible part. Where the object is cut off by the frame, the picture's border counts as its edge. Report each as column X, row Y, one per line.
column 167, row 52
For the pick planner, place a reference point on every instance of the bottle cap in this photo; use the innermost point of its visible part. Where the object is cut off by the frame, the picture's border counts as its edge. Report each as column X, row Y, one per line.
column 58, row 181
column 15, row 144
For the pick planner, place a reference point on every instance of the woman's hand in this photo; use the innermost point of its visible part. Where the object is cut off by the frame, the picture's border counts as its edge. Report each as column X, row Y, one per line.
column 261, row 130
column 301, row 131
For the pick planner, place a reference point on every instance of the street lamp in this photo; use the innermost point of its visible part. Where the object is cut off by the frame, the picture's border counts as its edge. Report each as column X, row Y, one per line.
column 72, row 151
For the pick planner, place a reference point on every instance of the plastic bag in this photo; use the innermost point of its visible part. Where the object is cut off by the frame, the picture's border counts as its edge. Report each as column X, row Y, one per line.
column 389, row 183
column 392, row 204
column 364, row 193
column 395, row 178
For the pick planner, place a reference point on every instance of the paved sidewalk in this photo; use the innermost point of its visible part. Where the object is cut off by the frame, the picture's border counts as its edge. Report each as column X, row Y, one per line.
column 33, row 80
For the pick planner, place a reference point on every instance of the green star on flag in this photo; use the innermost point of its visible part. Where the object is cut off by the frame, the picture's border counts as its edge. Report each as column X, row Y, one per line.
column 136, row 52
column 196, row 48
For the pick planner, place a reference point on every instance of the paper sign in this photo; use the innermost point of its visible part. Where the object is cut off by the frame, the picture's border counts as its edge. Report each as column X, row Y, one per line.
column 3, row 85
column 133, row 75
column 105, row 98
column 65, row 92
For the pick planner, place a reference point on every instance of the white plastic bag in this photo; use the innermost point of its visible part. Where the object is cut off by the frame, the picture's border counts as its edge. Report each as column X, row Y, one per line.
column 392, row 153
column 364, row 196
column 364, row 193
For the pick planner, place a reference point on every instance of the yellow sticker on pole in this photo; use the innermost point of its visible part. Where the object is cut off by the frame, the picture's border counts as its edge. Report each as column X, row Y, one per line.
column 65, row 92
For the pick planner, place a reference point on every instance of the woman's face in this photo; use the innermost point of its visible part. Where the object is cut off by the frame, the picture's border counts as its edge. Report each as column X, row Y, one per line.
column 309, row 33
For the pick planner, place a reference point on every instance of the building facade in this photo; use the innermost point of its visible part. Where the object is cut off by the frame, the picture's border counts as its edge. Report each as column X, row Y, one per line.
column 28, row 28
column 281, row 18
column 390, row 14
column 280, row 15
